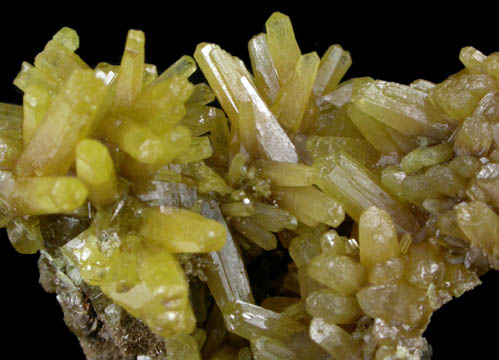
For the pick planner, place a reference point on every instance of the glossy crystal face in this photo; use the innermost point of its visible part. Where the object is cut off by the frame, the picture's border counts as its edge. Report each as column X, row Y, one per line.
column 302, row 217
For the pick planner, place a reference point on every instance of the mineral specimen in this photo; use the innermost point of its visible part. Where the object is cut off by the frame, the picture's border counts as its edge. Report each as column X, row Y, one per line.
column 307, row 218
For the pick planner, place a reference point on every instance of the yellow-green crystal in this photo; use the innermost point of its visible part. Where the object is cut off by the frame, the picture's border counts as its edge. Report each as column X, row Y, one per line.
column 71, row 118
column 179, row 230
column 95, row 168
column 307, row 218
column 129, row 81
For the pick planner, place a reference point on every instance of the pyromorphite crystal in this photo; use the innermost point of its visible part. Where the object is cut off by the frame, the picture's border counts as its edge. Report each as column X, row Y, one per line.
column 343, row 178
column 334, row 339
column 129, row 82
column 340, row 273
column 180, row 230
column 95, row 167
column 377, row 237
column 306, row 217
column 333, row 307
column 292, row 99
column 43, row 195
column 146, row 280
column 71, row 117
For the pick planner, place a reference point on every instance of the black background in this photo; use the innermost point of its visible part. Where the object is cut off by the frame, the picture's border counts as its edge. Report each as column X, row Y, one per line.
column 396, row 43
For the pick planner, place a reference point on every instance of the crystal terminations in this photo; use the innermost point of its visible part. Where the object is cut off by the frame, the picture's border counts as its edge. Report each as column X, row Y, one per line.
column 308, row 218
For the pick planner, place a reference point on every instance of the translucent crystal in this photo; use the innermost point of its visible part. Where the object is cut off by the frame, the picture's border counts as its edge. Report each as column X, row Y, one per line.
column 226, row 273
column 11, row 137
column 333, row 307
column 182, row 347
column 252, row 322
column 198, row 118
column 309, row 205
column 299, row 217
column 389, row 271
column 95, row 168
column 47, row 195
column 393, row 302
column 219, row 138
column 406, row 109
column 383, row 138
column 222, row 71
column 459, row 95
column 282, row 45
column 359, row 149
column 57, row 60
column 488, row 181
column 445, row 180
column 334, row 64
column 184, row 67
column 460, row 279
column 208, row 179
column 465, row 165
column 292, row 99
column 340, row 273
column 337, row 122
column 304, row 248
column 161, row 104
column 201, row 95
column 474, row 137
column 197, row 149
column 471, row 57
column 417, row 188
column 247, row 227
column 377, row 237
column 272, row 218
column 24, row 235
column 130, row 77
column 265, row 348
column 357, row 188
column 332, row 243
column 139, row 278
column 150, row 74
column 480, row 224
column 134, row 138
column 287, row 174
column 37, row 100
column 334, row 339
column 426, row 156
column 263, row 68
column 73, row 114
column 237, row 209
column 181, row 231
column 492, row 64
column 425, row 266
column 295, row 311
column 31, row 76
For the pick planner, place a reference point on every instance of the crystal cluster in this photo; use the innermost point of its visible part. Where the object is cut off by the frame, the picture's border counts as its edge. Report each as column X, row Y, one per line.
column 307, row 218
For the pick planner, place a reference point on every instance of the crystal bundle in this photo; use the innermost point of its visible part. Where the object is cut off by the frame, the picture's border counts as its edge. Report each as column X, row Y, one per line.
column 303, row 216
